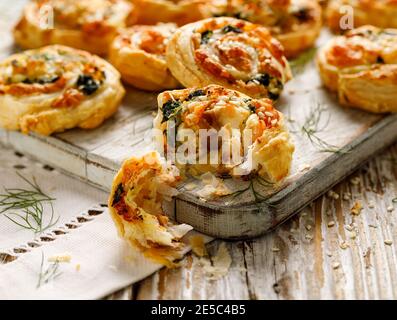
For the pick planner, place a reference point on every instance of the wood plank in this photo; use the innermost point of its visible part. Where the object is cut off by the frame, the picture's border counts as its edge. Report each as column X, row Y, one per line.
column 95, row 155
column 306, row 265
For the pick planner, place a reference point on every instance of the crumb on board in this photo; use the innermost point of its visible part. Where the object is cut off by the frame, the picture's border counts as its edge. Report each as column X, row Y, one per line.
column 275, row 249
column 219, row 265
column 78, row 267
column 357, row 208
column 333, row 195
column 388, row 242
column 60, row 258
column 371, row 205
column 344, row 245
column 304, row 167
column 346, row 196
column 190, row 186
column 198, row 246
column 336, row 265
column 390, row 208
column 352, row 235
column 331, row 224
column 355, row 181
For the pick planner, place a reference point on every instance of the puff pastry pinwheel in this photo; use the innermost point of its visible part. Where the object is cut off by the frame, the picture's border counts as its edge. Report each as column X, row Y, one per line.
column 361, row 67
column 230, row 52
column 178, row 11
column 379, row 13
column 295, row 23
column 56, row 88
column 139, row 54
column 135, row 204
column 253, row 128
column 85, row 24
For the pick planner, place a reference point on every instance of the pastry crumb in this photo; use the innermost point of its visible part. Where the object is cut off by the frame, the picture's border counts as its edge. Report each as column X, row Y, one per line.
column 335, row 265
column 60, row 258
column 220, row 263
column 388, row 242
column 357, row 208
column 344, row 245
column 198, row 246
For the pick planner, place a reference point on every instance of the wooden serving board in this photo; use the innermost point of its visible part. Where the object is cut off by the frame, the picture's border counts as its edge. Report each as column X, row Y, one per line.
column 96, row 155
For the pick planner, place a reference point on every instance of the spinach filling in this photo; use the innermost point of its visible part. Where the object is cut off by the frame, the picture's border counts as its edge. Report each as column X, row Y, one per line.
column 196, row 93
column 229, row 28
column 302, row 14
column 206, row 36
column 274, row 86
column 171, row 109
column 87, row 84
column 42, row 81
column 118, row 194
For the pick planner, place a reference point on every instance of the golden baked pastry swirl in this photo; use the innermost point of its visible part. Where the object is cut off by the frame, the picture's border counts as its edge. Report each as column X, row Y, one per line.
column 295, row 23
column 57, row 88
column 361, row 67
column 252, row 127
column 178, row 11
column 139, row 54
column 229, row 52
column 135, row 204
column 379, row 13
column 84, row 24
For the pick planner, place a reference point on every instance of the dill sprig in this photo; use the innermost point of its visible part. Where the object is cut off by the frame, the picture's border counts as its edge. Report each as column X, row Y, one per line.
column 48, row 274
column 299, row 64
column 312, row 126
column 252, row 188
column 30, row 202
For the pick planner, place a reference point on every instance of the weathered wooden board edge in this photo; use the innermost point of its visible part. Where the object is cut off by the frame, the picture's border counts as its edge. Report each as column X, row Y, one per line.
column 256, row 219
column 228, row 222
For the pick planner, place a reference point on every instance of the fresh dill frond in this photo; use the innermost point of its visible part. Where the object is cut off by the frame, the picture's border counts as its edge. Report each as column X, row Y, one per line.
column 252, row 188
column 31, row 206
column 48, row 274
column 299, row 64
column 314, row 124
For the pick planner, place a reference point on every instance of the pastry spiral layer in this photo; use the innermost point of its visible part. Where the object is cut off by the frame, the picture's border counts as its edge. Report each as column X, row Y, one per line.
column 254, row 128
column 295, row 23
column 135, row 204
column 229, row 52
column 139, row 54
column 177, row 11
column 379, row 13
column 57, row 88
column 89, row 25
column 361, row 67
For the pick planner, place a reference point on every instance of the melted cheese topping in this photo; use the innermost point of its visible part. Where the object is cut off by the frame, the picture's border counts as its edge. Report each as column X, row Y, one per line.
column 241, row 53
column 70, row 73
column 364, row 46
column 151, row 39
column 215, row 107
column 280, row 16
column 139, row 190
column 90, row 15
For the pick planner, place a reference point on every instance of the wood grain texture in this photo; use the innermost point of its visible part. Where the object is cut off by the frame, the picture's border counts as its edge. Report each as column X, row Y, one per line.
column 304, row 259
column 96, row 155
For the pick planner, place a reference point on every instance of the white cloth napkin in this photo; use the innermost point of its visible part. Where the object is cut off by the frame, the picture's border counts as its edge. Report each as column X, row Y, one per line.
column 100, row 262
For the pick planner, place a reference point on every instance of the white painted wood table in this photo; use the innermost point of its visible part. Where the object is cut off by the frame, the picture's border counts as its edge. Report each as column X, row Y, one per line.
column 325, row 252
